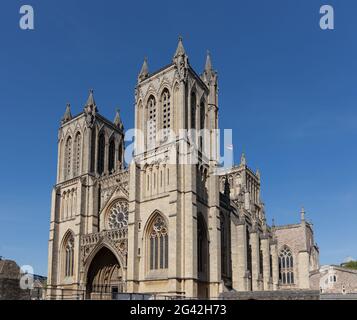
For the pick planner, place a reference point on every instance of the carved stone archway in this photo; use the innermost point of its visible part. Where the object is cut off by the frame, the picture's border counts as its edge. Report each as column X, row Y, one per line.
column 105, row 276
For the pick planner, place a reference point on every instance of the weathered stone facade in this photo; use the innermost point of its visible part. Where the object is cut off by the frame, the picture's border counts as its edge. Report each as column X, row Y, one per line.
column 10, row 282
column 163, row 225
column 332, row 279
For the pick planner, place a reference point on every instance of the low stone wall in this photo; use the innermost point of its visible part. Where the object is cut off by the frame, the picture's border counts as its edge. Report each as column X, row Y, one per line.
column 10, row 290
column 272, row 295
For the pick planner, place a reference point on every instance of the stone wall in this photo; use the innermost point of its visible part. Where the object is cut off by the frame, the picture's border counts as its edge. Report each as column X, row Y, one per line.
column 272, row 295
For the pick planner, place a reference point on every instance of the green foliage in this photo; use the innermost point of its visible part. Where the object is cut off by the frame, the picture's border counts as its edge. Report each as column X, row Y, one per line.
column 351, row 265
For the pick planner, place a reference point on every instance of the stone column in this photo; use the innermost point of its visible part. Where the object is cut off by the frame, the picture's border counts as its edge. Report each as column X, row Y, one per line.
column 254, row 240
column 275, row 264
column 303, row 270
column 266, row 262
column 239, row 255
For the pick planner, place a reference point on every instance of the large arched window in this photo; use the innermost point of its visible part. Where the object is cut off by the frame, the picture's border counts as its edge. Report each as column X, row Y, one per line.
column 202, row 247
column 166, row 112
column 202, row 115
column 77, row 155
column 101, row 151
column 68, row 255
column 151, row 122
column 193, row 110
column 158, row 244
column 111, row 158
column 286, row 266
column 68, row 158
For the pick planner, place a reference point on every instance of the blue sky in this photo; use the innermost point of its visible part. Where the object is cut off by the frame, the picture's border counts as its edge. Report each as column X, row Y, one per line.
column 287, row 89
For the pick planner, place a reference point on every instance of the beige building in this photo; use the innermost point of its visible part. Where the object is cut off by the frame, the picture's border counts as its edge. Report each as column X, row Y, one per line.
column 172, row 222
column 330, row 279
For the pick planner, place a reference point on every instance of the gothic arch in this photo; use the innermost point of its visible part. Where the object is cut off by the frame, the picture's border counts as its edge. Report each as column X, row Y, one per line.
column 103, row 244
column 67, row 256
column 286, row 265
column 77, row 153
column 68, row 157
column 102, row 140
column 156, row 242
column 99, row 268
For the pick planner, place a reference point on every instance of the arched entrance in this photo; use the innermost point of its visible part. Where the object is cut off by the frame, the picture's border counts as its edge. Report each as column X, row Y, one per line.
column 104, row 276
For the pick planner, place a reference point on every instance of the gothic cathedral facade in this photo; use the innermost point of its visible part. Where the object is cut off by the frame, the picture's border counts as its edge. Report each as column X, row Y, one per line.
column 168, row 222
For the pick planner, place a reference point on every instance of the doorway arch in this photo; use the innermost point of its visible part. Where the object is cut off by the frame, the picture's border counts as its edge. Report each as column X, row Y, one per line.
column 104, row 276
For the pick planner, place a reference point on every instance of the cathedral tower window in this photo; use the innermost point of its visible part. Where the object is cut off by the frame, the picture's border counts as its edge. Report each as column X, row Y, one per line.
column 77, row 155
column 111, row 158
column 68, row 158
column 202, row 245
column 158, row 244
column 193, row 110
column 166, row 113
column 286, row 266
column 69, row 255
column 101, row 151
column 151, row 122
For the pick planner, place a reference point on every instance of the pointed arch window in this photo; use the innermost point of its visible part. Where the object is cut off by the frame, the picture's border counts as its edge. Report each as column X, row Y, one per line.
column 111, row 158
column 69, row 256
column 193, row 110
column 286, row 266
column 158, row 244
column 68, row 158
column 202, row 246
column 77, row 155
column 166, row 112
column 101, row 151
column 151, row 122
column 202, row 115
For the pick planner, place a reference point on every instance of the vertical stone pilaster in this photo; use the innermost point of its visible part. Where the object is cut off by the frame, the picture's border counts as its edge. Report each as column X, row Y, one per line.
column 266, row 262
column 275, row 264
column 254, row 240
column 239, row 256
column 303, row 270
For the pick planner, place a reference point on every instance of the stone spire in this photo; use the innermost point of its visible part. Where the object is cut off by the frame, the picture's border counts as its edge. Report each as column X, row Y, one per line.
column 144, row 72
column 243, row 160
column 208, row 65
column 90, row 109
column 257, row 173
column 180, row 50
column 67, row 115
column 302, row 214
column 90, row 100
column 117, row 119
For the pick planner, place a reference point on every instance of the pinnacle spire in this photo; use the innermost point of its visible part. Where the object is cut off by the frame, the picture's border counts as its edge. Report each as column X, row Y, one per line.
column 180, row 50
column 67, row 114
column 144, row 72
column 243, row 160
column 208, row 66
column 117, row 119
column 302, row 214
column 257, row 173
column 90, row 100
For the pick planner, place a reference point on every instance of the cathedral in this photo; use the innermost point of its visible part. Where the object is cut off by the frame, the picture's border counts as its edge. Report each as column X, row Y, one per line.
column 168, row 222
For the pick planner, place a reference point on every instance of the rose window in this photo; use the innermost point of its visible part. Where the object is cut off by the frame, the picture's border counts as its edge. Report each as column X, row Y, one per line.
column 118, row 216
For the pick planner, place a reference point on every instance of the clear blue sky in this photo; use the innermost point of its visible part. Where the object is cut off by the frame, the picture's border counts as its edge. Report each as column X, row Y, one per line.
column 287, row 89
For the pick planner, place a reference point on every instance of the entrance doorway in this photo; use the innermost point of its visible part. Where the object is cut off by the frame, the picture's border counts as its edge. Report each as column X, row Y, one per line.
column 105, row 276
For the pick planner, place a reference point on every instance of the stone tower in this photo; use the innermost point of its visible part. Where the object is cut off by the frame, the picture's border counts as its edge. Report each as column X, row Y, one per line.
column 172, row 180
column 89, row 147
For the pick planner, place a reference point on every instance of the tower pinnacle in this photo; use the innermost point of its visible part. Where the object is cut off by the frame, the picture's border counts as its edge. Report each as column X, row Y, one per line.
column 144, row 72
column 67, row 114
